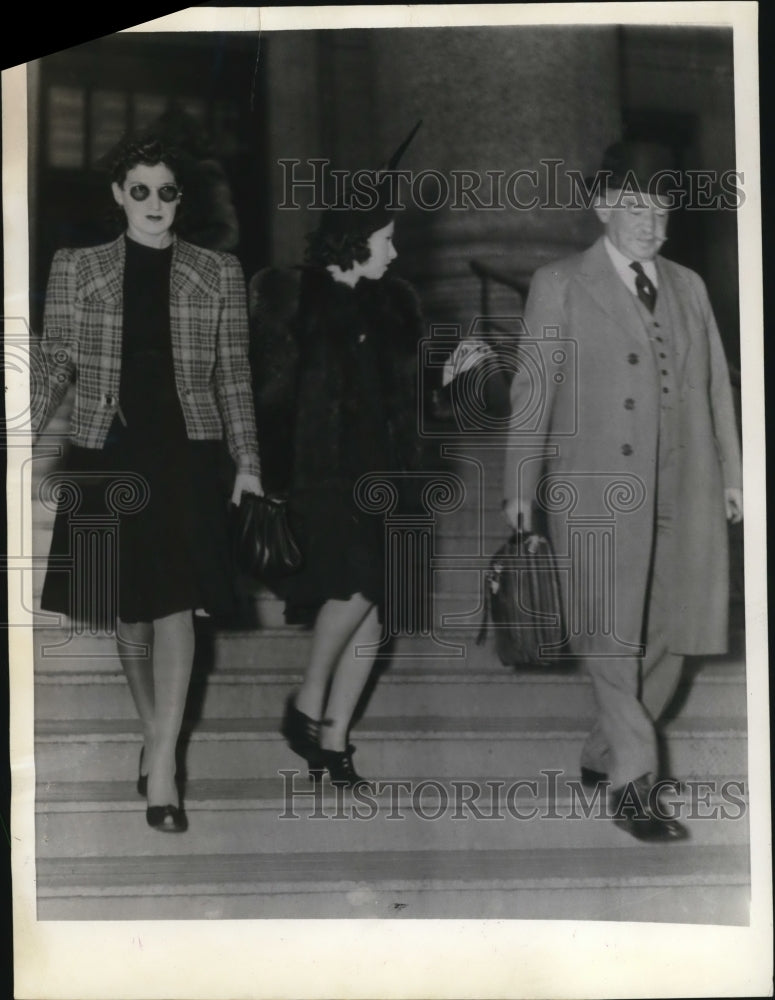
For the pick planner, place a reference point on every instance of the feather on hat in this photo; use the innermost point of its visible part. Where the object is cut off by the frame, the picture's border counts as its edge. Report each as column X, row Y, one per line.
column 368, row 206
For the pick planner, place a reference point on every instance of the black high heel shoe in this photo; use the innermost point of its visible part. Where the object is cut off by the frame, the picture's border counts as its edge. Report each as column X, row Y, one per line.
column 142, row 779
column 339, row 764
column 302, row 734
column 167, row 819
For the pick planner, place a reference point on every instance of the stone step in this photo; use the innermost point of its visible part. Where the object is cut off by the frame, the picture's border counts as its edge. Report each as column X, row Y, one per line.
column 265, row 648
column 284, row 648
column 709, row 690
column 680, row 883
column 437, row 747
column 57, row 649
column 87, row 819
column 447, row 648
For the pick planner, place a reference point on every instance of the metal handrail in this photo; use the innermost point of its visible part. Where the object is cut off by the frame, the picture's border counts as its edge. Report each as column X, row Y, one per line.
column 487, row 274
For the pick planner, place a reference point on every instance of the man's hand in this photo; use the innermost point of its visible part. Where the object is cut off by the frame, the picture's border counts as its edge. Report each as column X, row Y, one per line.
column 245, row 482
column 733, row 501
column 512, row 510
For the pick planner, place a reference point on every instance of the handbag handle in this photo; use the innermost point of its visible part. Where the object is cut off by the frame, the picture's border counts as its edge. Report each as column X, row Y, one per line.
column 275, row 499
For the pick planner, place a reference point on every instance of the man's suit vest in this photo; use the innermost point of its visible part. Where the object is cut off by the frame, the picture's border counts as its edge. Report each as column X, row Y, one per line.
column 658, row 328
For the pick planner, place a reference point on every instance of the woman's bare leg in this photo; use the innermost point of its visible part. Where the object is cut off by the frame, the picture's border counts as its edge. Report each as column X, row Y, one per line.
column 350, row 677
column 336, row 623
column 173, row 656
column 138, row 668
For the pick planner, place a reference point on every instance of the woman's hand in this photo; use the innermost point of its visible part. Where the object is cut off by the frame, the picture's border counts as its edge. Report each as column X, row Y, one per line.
column 246, row 482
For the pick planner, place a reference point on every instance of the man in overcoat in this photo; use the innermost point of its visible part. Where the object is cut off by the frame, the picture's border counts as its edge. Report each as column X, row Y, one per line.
column 633, row 467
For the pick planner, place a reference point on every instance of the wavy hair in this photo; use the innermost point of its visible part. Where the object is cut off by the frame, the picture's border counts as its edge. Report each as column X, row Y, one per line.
column 342, row 249
column 148, row 150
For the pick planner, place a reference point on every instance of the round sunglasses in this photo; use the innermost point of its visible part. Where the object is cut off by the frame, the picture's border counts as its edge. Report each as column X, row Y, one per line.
column 167, row 192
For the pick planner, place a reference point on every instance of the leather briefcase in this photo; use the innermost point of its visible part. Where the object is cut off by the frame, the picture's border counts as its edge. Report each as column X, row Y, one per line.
column 522, row 603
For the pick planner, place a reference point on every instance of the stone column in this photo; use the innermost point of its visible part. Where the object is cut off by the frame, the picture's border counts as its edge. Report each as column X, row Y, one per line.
column 494, row 99
column 491, row 99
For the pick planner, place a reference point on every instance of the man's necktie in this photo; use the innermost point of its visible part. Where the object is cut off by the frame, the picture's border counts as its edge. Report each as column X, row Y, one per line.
column 644, row 286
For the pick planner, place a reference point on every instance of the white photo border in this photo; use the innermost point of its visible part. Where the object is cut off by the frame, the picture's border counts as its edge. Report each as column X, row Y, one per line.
column 428, row 958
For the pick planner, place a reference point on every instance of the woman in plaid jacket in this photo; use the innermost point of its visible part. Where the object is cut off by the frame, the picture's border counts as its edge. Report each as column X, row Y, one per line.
column 153, row 331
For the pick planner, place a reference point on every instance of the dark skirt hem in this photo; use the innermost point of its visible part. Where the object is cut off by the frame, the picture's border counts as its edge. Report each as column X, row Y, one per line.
column 169, row 556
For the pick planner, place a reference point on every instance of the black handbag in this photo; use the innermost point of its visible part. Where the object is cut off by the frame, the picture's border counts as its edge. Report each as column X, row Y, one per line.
column 264, row 547
column 522, row 602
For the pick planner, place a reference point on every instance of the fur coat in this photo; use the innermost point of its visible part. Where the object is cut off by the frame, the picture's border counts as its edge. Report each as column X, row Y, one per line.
column 303, row 348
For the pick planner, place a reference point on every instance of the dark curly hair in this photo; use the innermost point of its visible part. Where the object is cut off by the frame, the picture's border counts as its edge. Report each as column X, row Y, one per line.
column 148, row 150
column 342, row 249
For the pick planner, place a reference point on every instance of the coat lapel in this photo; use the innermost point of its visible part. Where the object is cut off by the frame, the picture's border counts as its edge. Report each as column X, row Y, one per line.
column 103, row 276
column 609, row 291
column 194, row 296
column 187, row 278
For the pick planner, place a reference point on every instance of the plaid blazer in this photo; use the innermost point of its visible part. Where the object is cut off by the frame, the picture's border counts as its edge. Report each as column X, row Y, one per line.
column 82, row 334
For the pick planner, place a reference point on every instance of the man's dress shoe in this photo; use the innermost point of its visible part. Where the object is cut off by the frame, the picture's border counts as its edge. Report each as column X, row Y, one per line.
column 637, row 811
column 591, row 778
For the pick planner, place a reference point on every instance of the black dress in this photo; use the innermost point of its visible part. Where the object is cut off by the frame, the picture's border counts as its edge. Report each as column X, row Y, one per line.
column 171, row 533
column 343, row 544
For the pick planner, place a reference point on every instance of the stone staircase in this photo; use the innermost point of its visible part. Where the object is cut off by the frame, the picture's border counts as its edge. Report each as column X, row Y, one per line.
column 477, row 811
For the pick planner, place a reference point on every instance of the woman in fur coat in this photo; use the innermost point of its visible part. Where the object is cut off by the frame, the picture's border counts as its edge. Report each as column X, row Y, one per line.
column 334, row 356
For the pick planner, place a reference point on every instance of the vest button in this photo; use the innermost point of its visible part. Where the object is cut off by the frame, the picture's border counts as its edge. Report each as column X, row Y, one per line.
column 665, row 389
column 633, row 359
column 626, row 449
column 629, row 404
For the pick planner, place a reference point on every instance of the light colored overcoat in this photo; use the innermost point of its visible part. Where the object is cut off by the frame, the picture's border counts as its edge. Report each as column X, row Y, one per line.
column 595, row 377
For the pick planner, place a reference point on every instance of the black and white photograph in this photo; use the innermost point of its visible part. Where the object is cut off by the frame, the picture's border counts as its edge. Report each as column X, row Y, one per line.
column 386, row 554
